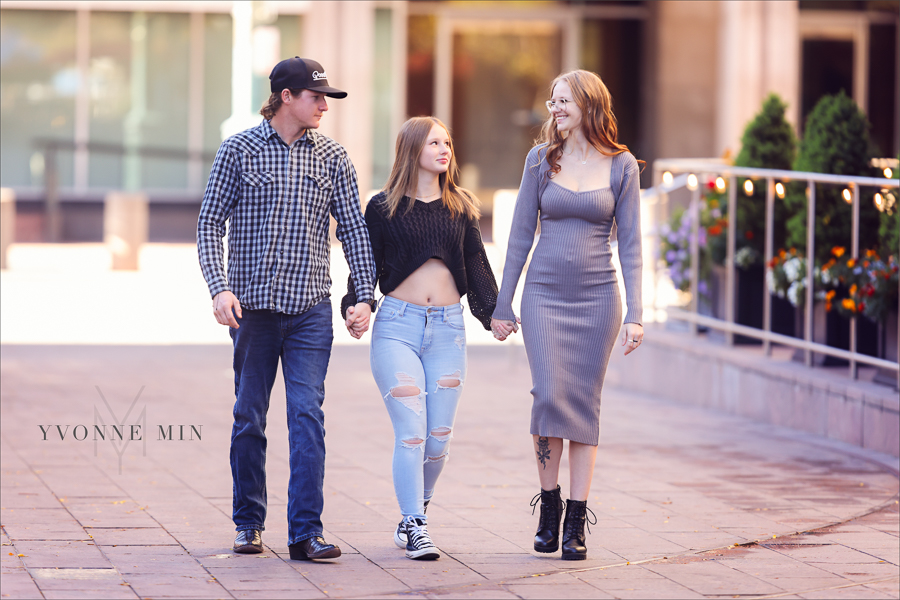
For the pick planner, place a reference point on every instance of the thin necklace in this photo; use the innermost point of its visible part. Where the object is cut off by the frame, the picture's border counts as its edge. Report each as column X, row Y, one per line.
column 439, row 194
column 586, row 156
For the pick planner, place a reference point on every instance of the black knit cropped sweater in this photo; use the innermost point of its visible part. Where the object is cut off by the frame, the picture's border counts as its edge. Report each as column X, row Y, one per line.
column 405, row 242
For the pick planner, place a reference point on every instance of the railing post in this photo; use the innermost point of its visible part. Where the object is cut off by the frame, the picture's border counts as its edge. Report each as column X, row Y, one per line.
column 126, row 222
column 53, row 222
column 810, row 268
column 729, row 257
column 769, row 251
column 7, row 222
column 854, row 248
column 695, row 254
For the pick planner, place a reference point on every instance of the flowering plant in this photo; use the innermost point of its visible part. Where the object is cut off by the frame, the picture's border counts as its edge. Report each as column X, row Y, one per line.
column 676, row 253
column 867, row 286
column 786, row 276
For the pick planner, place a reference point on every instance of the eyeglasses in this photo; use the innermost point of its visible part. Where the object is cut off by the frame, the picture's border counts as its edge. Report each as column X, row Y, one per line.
column 561, row 103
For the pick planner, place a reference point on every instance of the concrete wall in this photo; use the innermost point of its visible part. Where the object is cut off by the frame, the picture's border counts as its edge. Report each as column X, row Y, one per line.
column 742, row 381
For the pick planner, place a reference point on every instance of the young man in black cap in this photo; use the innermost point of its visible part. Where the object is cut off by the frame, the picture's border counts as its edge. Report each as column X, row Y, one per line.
column 276, row 185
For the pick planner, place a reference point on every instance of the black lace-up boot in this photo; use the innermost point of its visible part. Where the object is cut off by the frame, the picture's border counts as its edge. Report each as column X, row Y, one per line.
column 547, row 537
column 577, row 513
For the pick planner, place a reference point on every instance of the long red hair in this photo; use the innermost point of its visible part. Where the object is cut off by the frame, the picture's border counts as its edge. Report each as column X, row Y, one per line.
column 597, row 122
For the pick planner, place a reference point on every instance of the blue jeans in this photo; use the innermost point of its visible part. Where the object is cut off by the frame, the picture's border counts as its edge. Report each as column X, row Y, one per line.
column 303, row 343
column 418, row 358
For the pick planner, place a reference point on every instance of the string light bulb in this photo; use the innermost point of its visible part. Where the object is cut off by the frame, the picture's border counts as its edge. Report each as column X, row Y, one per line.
column 720, row 184
column 692, row 182
column 667, row 178
column 779, row 190
column 748, row 187
column 888, row 173
column 879, row 202
column 848, row 197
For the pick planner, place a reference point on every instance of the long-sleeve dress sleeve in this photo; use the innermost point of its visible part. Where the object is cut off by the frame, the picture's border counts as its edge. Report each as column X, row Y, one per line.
column 521, row 234
column 628, row 225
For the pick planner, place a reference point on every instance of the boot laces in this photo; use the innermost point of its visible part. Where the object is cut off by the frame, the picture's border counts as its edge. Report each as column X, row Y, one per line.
column 417, row 531
column 581, row 516
column 544, row 505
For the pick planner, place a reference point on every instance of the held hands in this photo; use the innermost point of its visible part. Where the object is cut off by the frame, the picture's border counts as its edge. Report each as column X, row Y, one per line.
column 358, row 319
column 502, row 329
column 632, row 336
column 225, row 305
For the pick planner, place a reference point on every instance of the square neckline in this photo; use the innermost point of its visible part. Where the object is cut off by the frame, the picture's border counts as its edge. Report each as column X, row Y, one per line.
column 609, row 187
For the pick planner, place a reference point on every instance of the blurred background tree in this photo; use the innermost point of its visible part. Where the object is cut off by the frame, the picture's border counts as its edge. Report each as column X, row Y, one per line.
column 768, row 143
column 835, row 141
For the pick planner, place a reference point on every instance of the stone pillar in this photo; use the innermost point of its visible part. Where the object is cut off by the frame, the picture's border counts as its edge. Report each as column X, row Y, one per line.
column 685, row 96
column 7, row 222
column 341, row 36
column 759, row 53
column 126, row 223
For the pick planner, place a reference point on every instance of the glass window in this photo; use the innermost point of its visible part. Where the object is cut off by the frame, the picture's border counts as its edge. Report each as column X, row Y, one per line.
column 216, row 81
column 381, row 113
column 827, row 69
column 37, row 94
column 420, row 66
column 501, row 75
column 883, row 88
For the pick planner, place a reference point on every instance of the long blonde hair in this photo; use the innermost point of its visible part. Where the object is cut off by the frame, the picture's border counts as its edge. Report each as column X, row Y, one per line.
column 597, row 119
column 404, row 177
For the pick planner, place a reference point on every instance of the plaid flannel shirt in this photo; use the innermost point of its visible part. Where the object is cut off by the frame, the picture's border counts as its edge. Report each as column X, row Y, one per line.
column 277, row 200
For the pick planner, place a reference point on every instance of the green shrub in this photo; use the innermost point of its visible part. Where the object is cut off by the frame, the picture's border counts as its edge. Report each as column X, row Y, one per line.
column 768, row 143
column 835, row 141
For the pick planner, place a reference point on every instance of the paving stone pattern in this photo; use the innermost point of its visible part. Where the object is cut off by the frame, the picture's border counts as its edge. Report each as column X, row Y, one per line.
column 690, row 503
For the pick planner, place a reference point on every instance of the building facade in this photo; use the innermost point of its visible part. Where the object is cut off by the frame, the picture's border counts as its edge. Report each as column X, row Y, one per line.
column 138, row 95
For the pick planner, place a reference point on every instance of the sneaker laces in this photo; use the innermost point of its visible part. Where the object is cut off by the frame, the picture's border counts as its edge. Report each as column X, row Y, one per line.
column 417, row 532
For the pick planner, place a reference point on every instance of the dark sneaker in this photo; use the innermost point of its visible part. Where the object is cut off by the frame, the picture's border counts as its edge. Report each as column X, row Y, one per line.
column 400, row 537
column 419, row 545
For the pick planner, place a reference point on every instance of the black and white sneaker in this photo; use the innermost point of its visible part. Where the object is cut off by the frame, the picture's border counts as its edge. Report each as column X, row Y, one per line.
column 400, row 537
column 419, row 545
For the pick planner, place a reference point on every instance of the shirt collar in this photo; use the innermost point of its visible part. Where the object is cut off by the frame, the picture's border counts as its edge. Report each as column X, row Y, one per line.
column 267, row 131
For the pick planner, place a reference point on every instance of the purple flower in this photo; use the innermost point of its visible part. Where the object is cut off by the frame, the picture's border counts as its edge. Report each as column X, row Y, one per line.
column 702, row 287
column 670, row 256
column 702, row 237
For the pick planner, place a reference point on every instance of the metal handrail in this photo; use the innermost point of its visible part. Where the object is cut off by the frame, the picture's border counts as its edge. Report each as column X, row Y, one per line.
column 700, row 167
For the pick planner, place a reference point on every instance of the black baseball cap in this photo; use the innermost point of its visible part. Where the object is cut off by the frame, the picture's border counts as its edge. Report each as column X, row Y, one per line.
column 302, row 73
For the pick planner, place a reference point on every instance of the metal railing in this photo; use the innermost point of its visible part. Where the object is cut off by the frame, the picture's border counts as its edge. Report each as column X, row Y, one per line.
column 682, row 171
column 51, row 147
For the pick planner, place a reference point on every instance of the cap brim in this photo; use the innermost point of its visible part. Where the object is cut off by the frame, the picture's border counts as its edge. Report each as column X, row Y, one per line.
column 329, row 91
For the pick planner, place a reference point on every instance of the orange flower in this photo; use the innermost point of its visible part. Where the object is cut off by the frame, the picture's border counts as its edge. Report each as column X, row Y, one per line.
column 830, row 295
column 851, row 263
column 849, row 304
column 829, row 264
column 794, row 251
column 866, row 264
column 782, row 254
column 853, row 289
column 715, row 230
column 828, row 306
column 871, row 253
column 838, row 251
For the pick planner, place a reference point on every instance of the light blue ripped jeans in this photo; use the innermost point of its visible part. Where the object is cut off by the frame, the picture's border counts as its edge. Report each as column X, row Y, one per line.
column 418, row 358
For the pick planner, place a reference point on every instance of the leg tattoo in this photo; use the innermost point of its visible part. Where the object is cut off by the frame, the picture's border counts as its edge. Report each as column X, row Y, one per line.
column 543, row 452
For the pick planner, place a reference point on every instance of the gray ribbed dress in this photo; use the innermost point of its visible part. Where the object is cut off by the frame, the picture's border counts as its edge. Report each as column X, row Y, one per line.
column 571, row 309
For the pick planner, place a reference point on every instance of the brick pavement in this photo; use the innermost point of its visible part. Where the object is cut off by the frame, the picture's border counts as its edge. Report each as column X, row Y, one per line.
column 690, row 503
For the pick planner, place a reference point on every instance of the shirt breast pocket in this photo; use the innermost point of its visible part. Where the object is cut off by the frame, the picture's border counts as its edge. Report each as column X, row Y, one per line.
column 257, row 187
column 317, row 190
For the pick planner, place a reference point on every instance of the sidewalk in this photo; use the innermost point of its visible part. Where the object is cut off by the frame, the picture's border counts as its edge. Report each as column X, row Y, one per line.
column 675, row 489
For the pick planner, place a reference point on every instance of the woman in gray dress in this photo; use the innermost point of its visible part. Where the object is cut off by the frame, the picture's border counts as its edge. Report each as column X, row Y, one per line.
column 579, row 181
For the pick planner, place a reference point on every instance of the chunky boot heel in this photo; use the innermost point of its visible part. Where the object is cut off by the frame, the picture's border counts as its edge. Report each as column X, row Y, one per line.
column 573, row 547
column 547, row 537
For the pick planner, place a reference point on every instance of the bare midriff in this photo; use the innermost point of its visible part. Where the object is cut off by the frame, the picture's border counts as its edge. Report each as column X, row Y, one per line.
column 431, row 284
